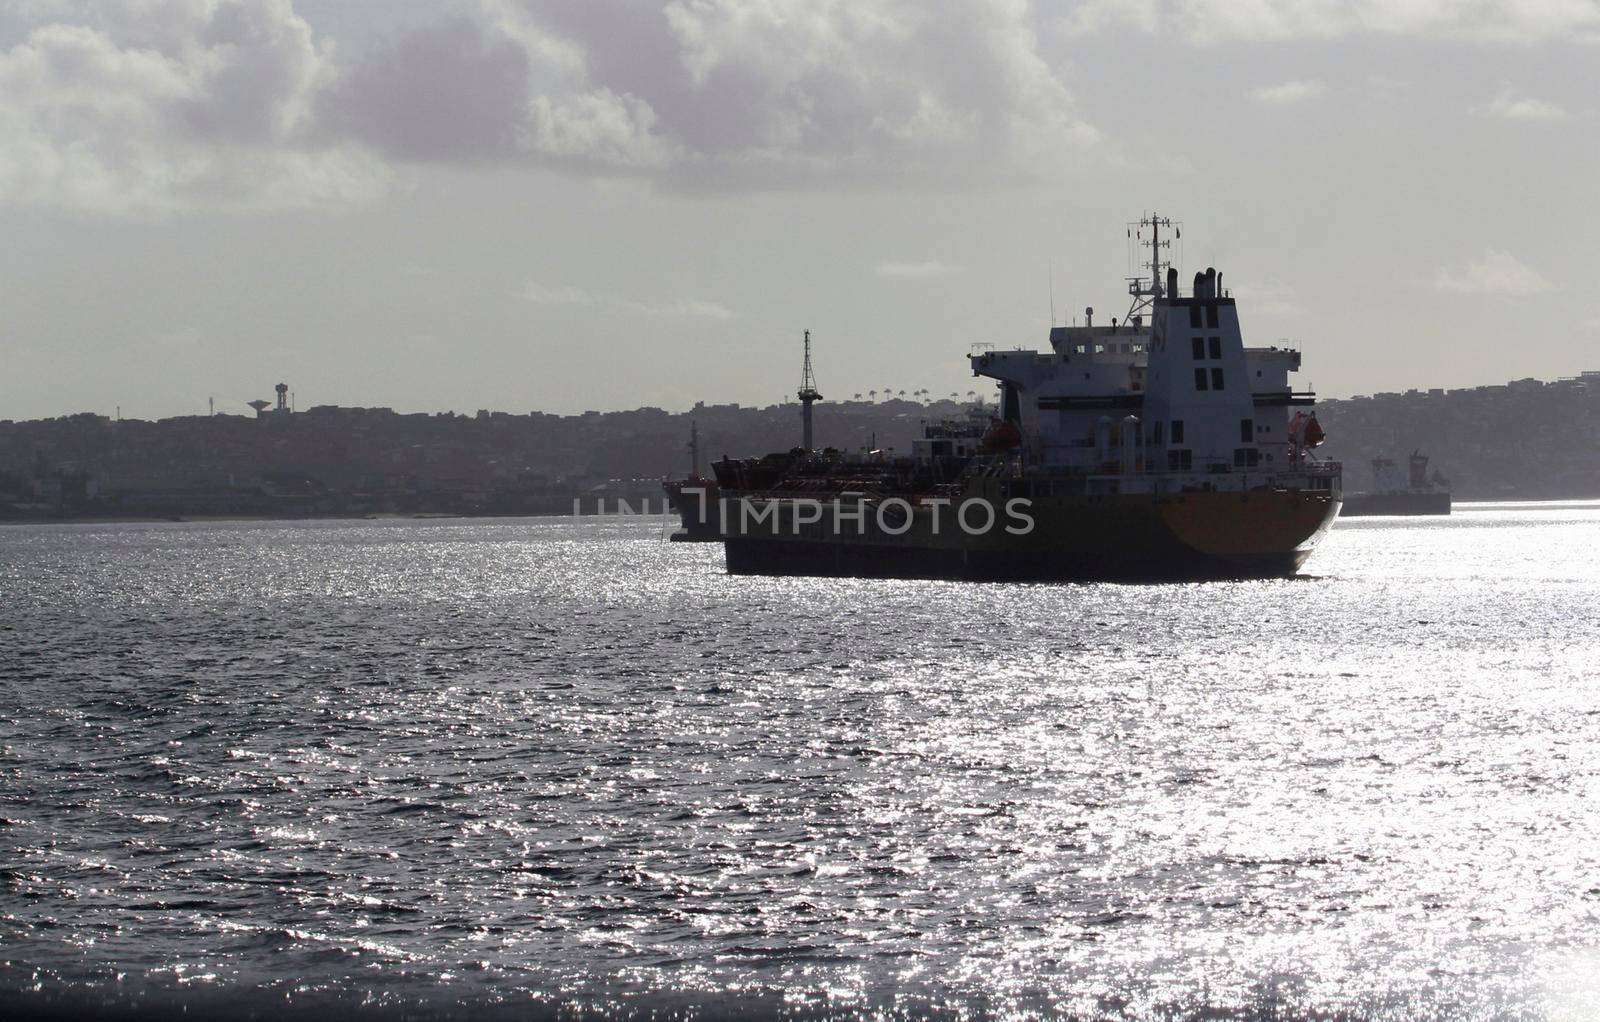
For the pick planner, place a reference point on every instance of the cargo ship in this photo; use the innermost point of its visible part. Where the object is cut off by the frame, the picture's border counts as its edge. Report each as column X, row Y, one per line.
column 1157, row 448
column 1411, row 492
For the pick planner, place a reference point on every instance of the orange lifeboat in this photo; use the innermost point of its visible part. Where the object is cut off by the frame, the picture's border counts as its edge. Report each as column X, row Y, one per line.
column 1313, row 432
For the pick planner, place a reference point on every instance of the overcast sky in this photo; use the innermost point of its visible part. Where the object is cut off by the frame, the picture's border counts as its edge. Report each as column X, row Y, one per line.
column 572, row 204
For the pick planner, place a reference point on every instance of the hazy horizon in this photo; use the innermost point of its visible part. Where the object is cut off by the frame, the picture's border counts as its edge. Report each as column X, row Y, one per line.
column 563, row 205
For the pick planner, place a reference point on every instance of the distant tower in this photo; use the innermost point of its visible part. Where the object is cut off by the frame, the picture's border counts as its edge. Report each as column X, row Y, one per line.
column 694, row 449
column 283, row 398
column 260, row 407
column 808, row 395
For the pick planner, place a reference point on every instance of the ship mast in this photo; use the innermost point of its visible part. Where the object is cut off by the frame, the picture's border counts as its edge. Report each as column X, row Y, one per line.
column 1145, row 291
column 808, row 395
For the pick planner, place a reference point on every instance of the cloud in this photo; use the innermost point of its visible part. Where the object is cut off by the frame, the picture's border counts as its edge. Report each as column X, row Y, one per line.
column 1496, row 272
column 1509, row 105
column 160, row 104
column 492, row 88
column 1286, row 93
column 166, row 103
column 540, row 294
column 1213, row 21
column 929, row 268
column 711, row 94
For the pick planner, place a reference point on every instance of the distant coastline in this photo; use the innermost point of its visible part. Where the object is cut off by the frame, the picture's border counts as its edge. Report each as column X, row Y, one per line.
column 1524, row 440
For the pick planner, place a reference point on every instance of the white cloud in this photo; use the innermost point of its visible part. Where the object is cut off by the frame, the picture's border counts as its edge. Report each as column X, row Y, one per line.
column 496, row 87
column 168, row 103
column 1211, row 21
column 928, row 268
column 1286, row 93
column 801, row 90
column 1495, row 272
column 158, row 104
column 711, row 94
column 1508, row 104
column 567, row 295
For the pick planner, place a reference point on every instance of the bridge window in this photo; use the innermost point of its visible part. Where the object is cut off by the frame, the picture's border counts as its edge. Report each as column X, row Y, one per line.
column 1177, row 431
column 1211, row 316
column 1247, row 431
column 1216, row 347
column 1199, row 348
column 1194, row 315
column 1199, row 379
column 1216, row 379
column 1180, row 461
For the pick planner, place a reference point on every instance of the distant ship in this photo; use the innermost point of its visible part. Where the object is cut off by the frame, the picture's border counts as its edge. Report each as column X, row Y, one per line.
column 1139, row 451
column 695, row 499
column 1395, row 493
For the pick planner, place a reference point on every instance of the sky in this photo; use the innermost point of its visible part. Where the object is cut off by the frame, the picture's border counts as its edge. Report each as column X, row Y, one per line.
column 561, row 205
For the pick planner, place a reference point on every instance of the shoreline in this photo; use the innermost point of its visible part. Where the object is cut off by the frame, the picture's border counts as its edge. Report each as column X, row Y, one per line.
column 1500, row 503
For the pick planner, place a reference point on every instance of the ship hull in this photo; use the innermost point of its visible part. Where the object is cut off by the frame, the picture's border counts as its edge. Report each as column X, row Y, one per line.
column 695, row 500
column 1190, row 536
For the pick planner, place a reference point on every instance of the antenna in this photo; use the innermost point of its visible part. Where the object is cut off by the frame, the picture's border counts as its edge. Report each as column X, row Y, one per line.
column 808, row 395
column 1146, row 290
column 1052, row 265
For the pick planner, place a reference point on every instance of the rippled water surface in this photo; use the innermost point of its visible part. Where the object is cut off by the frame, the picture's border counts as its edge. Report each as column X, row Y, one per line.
column 563, row 765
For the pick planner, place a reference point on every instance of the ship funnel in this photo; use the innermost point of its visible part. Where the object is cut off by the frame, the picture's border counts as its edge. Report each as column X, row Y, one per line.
column 1172, row 282
column 1200, row 285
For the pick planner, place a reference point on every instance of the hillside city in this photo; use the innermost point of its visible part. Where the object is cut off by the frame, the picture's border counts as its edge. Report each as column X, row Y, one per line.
column 1527, row 439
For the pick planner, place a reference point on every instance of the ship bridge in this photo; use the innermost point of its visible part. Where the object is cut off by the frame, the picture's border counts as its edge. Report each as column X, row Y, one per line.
column 1179, row 388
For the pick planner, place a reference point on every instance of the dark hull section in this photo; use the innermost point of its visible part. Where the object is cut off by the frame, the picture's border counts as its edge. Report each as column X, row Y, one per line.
column 695, row 500
column 1188, row 536
column 797, row 557
column 1432, row 503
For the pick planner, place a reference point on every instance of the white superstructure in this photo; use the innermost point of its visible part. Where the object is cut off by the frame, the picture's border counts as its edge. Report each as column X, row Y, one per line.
column 1169, row 398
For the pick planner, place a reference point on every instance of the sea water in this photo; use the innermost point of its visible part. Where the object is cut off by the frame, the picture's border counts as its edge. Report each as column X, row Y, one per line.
column 560, row 766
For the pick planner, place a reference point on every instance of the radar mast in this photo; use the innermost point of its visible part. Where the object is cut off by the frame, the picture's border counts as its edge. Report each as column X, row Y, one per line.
column 1146, row 289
